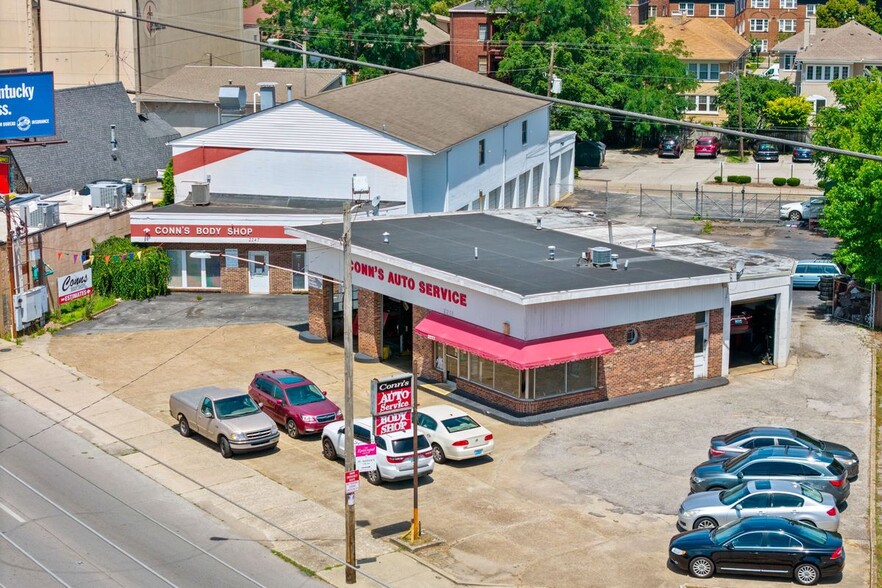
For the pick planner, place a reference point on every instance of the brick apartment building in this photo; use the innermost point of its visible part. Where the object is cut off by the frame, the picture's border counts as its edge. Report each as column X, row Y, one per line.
column 471, row 31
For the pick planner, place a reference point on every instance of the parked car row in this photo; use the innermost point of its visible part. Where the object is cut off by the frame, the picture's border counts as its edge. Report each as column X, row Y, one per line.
column 285, row 399
column 710, row 146
column 766, row 502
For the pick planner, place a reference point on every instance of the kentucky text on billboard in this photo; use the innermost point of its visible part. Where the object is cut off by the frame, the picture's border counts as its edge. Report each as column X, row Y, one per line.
column 73, row 286
column 392, row 394
column 27, row 105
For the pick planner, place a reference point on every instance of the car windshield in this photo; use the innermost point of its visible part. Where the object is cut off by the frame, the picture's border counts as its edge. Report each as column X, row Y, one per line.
column 669, row 141
column 809, row 532
column 735, row 461
column 766, row 147
column 235, row 406
column 705, row 142
column 836, row 468
column 734, row 436
column 811, row 493
column 807, row 439
column 460, row 423
column 722, row 534
column 734, row 494
column 405, row 445
column 300, row 395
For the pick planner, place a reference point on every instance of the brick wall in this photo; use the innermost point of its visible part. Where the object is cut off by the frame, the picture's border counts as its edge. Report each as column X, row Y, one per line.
column 370, row 323
column 320, row 301
column 423, row 349
column 715, row 344
column 464, row 44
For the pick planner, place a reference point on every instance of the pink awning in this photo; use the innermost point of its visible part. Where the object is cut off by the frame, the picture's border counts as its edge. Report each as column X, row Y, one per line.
column 510, row 351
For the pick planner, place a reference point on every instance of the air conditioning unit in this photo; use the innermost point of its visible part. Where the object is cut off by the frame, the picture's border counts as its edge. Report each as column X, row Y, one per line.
column 108, row 195
column 44, row 215
column 600, row 255
column 22, row 212
column 199, row 194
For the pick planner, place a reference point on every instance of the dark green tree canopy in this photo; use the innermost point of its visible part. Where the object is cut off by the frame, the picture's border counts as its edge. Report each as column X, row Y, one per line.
column 756, row 93
column 836, row 13
column 854, row 202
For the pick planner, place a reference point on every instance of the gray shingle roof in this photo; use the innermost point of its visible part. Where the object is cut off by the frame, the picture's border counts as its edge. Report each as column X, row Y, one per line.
column 849, row 43
column 199, row 83
column 479, row 6
column 431, row 114
column 83, row 117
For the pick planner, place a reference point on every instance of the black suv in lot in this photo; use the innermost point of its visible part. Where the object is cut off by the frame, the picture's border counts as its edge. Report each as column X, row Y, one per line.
column 765, row 152
column 670, row 146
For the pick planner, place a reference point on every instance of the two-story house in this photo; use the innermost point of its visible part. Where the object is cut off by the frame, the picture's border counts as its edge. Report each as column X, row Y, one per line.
column 821, row 55
column 713, row 50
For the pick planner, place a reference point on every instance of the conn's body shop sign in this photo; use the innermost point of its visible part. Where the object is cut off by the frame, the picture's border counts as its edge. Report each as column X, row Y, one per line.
column 392, row 403
column 73, row 286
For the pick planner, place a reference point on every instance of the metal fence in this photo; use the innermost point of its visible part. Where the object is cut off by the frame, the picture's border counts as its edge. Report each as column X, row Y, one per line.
column 732, row 203
column 853, row 303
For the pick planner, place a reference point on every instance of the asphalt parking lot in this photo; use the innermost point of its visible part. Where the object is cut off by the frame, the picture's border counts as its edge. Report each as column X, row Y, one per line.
column 586, row 501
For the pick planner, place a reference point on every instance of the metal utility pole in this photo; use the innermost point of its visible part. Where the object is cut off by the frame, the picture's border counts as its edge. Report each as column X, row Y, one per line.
column 303, row 45
column 740, row 124
column 415, row 530
column 348, row 404
column 550, row 70
column 116, row 44
column 11, row 263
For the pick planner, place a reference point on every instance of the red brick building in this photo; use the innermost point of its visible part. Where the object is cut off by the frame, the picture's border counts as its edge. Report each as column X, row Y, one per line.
column 528, row 320
column 471, row 31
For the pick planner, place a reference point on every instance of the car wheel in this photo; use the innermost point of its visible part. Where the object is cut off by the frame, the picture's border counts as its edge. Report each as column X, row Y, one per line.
column 291, row 428
column 795, row 215
column 184, row 426
column 373, row 477
column 715, row 488
column 225, row 448
column 806, row 574
column 438, row 453
column 705, row 523
column 701, row 567
column 328, row 449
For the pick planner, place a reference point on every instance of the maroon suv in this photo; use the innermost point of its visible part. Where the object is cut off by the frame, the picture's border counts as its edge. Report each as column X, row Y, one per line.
column 293, row 401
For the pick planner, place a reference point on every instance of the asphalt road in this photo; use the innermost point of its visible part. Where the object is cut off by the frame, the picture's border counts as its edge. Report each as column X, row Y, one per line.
column 71, row 515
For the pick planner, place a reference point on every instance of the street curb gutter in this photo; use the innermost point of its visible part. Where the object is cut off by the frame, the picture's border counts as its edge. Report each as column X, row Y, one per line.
column 874, row 468
column 451, row 578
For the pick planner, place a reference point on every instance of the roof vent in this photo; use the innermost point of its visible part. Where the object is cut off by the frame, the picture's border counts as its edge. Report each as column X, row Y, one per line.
column 267, row 94
column 551, row 250
column 600, row 255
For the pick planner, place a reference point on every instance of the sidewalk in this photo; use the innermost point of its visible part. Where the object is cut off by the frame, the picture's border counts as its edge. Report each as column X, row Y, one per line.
column 227, row 489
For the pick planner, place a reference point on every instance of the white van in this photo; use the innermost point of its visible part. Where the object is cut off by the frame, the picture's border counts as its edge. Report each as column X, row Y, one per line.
column 773, row 72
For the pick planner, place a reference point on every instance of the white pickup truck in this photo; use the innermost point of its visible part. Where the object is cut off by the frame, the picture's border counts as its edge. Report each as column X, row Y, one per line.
column 229, row 418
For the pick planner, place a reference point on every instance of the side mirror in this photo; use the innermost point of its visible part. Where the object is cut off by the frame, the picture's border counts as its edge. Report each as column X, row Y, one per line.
column 260, row 405
column 740, row 475
column 208, row 414
column 278, row 402
column 324, row 393
column 738, row 507
column 729, row 546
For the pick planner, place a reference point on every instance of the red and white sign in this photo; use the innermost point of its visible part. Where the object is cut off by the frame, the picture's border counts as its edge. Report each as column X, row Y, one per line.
column 393, row 394
column 366, row 457
column 350, row 481
column 73, row 286
column 201, row 233
column 396, row 422
column 403, row 280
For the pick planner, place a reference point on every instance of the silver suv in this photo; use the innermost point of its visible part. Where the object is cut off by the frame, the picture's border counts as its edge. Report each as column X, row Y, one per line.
column 816, row 469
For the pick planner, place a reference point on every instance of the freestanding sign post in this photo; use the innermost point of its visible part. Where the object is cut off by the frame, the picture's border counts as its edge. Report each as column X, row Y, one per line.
column 74, row 286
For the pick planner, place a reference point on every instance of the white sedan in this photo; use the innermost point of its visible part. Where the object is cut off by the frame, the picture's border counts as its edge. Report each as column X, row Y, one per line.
column 453, row 434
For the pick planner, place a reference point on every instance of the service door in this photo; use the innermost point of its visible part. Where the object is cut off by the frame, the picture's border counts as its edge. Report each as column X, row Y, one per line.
column 701, row 328
column 258, row 272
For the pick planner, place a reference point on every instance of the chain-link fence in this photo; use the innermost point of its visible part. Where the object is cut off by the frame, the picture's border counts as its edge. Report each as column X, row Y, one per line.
column 848, row 301
column 734, row 203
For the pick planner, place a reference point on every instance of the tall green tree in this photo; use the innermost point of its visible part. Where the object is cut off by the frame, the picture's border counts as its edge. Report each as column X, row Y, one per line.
column 378, row 31
column 854, row 202
column 836, row 13
column 756, row 93
column 788, row 112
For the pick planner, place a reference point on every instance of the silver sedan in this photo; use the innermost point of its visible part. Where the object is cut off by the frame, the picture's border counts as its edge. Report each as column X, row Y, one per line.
column 790, row 500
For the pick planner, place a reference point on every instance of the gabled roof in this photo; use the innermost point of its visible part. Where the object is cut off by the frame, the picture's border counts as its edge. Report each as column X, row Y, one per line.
column 432, row 35
column 431, row 114
column 482, row 6
column 849, row 43
column 704, row 38
column 83, row 117
column 252, row 13
column 200, row 83
column 794, row 43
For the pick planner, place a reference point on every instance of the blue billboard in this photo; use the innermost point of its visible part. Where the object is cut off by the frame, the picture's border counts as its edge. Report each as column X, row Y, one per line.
column 27, row 105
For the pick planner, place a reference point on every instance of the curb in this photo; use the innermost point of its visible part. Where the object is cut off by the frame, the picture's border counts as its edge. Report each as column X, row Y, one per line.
column 874, row 465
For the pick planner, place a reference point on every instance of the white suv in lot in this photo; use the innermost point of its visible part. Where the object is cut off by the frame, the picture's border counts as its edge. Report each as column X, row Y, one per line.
column 811, row 208
column 394, row 450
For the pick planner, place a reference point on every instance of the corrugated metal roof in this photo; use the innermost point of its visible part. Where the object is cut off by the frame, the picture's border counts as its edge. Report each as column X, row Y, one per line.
column 432, row 114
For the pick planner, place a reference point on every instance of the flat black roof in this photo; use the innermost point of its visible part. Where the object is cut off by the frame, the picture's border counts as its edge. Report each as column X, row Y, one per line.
column 257, row 204
column 511, row 255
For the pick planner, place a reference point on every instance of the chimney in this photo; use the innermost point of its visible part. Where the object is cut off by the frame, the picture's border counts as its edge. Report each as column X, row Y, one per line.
column 290, row 93
column 813, row 22
column 267, row 94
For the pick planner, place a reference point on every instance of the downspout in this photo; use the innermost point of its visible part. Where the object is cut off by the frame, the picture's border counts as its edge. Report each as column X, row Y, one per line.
column 503, row 165
column 446, row 178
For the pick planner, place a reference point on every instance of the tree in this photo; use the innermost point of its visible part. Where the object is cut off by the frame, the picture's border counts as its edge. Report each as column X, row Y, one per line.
column 756, row 93
column 378, row 31
column 168, row 185
column 854, row 202
column 129, row 271
column 836, row 13
column 788, row 112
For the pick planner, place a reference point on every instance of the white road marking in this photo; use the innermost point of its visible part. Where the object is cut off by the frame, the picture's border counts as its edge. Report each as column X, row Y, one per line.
column 11, row 513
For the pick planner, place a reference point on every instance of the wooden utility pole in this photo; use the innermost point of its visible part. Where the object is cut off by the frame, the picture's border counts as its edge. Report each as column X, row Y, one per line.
column 348, row 403
column 303, row 46
column 11, row 263
column 550, row 70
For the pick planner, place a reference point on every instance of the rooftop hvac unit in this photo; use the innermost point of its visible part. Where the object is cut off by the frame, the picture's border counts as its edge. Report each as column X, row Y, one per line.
column 44, row 215
column 108, row 195
column 21, row 213
column 199, row 194
column 600, row 255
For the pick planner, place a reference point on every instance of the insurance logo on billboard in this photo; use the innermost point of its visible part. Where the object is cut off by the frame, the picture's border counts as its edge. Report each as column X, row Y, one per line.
column 73, row 286
column 27, row 105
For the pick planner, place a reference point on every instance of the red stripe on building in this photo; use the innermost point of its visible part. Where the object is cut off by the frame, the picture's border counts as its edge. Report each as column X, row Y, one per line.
column 201, row 156
column 397, row 164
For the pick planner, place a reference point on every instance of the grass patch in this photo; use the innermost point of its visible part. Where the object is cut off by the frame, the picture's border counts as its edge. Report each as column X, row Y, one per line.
column 82, row 309
column 287, row 559
column 736, row 159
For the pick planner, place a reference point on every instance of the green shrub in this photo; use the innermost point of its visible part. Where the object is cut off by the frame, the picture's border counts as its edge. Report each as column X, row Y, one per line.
column 718, row 179
column 793, row 181
column 124, row 270
column 168, row 185
column 779, row 181
column 742, row 179
column 708, row 228
column 732, row 179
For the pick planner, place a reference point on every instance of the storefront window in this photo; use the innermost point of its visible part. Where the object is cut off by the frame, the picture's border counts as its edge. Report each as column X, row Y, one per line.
column 486, row 372
column 298, row 280
column 582, row 375
column 550, row 381
column 212, row 272
column 176, row 269
column 507, row 380
column 190, row 272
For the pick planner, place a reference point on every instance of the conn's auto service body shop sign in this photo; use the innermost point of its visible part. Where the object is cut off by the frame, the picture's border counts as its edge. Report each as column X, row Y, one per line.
column 73, row 286
column 392, row 403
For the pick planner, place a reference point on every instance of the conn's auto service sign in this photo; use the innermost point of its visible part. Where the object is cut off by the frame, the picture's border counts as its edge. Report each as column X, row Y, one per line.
column 393, row 394
column 73, row 286
column 393, row 423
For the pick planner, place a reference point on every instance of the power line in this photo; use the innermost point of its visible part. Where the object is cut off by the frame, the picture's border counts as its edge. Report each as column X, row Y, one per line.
column 506, row 91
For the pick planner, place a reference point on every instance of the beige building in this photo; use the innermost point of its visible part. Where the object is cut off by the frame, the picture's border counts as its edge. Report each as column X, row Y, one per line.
column 80, row 45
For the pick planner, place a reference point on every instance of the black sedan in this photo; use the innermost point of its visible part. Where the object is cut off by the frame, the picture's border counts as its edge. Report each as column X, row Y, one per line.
column 802, row 154
column 767, row 546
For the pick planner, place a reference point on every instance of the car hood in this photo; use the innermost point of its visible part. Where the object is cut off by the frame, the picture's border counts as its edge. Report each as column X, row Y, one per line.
column 792, row 204
column 839, row 450
column 692, row 539
column 317, row 408
column 709, row 468
column 251, row 422
column 701, row 500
